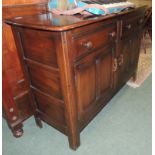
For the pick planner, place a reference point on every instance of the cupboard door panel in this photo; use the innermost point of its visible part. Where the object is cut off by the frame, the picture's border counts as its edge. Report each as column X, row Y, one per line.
column 135, row 52
column 85, row 73
column 94, row 81
column 125, row 70
column 104, row 71
column 130, row 51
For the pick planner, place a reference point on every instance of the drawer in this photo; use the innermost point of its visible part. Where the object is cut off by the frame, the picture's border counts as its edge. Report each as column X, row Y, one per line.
column 131, row 25
column 94, row 38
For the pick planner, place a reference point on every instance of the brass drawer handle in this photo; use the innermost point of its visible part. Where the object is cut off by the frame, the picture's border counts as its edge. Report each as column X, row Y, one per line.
column 128, row 26
column 115, row 66
column 120, row 60
column 112, row 34
column 88, row 45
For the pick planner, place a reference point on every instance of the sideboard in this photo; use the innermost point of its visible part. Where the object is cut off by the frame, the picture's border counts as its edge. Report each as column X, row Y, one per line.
column 16, row 101
column 75, row 65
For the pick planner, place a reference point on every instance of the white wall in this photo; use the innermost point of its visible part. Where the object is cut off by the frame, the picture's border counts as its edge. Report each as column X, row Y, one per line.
column 142, row 2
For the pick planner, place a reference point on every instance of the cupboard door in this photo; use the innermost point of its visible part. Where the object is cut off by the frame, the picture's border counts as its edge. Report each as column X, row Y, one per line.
column 85, row 73
column 125, row 65
column 128, row 58
column 94, row 81
column 135, row 52
column 105, row 74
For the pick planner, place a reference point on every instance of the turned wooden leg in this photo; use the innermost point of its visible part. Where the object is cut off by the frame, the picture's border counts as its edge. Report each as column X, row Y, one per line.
column 17, row 130
column 74, row 141
column 38, row 121
column 73, row 136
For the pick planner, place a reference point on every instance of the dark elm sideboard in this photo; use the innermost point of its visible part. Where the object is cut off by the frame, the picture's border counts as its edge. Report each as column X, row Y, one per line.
column 75, row 65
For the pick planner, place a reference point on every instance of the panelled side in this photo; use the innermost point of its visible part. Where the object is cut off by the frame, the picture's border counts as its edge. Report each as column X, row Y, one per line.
column 38, row 49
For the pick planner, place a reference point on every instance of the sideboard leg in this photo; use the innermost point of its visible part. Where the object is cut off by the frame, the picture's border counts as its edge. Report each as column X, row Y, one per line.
column 134, row 77
column 38, row 121
column 74, row 141
column 17, row 130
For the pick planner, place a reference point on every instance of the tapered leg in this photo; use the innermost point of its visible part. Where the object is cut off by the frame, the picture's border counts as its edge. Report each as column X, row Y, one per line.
column 134, row 77
column 74, row 141
column 38, row 121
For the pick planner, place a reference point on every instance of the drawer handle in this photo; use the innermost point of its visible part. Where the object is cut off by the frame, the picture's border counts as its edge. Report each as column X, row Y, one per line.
column 112, row 34
column 88, row 45
column 115, row 65
column 128, row 26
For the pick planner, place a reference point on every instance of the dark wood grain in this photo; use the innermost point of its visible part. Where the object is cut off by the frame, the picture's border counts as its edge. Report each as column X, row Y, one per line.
column 10, row 11
column 89, row 35
column 10, row 109
column 44, row 41
column 12, row 70
column 48, row 21
column 76, row 66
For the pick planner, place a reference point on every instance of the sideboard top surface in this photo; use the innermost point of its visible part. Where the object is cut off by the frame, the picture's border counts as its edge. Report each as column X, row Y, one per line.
column 49, row 21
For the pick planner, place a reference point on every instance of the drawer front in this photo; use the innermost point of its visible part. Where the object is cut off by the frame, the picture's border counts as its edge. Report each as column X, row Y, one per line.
column 92, row 39
column 131, row 25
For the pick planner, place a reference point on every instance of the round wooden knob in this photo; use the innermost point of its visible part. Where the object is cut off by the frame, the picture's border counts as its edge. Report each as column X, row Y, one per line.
column 128, row 26
column 88, row 45
column 112, row 34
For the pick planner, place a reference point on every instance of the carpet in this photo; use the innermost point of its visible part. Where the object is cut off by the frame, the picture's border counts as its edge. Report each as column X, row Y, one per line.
column 123, row 127
column 144, row 65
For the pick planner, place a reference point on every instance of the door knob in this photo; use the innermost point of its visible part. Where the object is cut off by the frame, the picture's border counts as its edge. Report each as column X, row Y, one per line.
column 88, row 45
column 115, row 65
column 128, row 26
column 112, row 34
